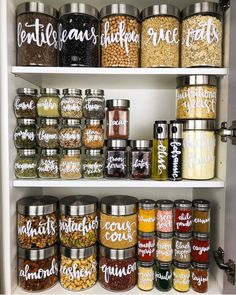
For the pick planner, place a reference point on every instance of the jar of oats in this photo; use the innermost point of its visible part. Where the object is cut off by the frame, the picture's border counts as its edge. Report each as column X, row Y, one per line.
column 196, row 97
column 202, row 30
column 120, row 36
column 160, row 36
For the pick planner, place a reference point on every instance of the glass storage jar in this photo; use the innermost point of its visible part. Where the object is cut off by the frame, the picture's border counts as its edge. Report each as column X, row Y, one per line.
column 118, row 221
column 38, row 269
column 78, row 221
column 201, row 247
column 120, row 36
column 183, row 216
column 71, row 103
column 93, row 164
column 93, row 134
column 164, row 216
column 201, row 216
column 37, row 221
column 160, row 36
column 48, row 103
column 48, row 134
column 78, row 270
column 163, row 276
column 164, row 250
column 116, row 163
column 25, row 134
column 117, row 269
column 70, row 135
column 117, row 118
column 70, row 164
column 78, row 35
column 145, row 275
column 25, row 165
column 36, row 34
column 202, row 35
column 200, row 277
column 182, row 247
column 146, row 215
column 181, row 276
column 48, row 165
column 94, row 104
column 199, row 143
column 146, row 246
column 25, row 103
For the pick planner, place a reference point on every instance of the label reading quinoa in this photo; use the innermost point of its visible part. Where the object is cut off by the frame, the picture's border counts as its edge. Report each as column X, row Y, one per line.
column 116, row 271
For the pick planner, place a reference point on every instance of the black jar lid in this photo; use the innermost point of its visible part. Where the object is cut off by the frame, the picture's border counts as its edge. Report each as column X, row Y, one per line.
column 117, row 254
column 37, row 7
column 146, row 204
column 165, row 204
column 203, row 236
column 72, row 91
column 82, row 253
column 117, row 143
column 141, row 143
column 208, row 125
column 160, row 10
column 37, row 254
column 165, row 235
column 27, row 122
column 146, row 263
column 26, row 152
column 80, row 8
column 99, row 92
column 117, row 103
column 71, row 122
column 71, row 152
column 93, row 122
column 119, row 9
column 37, row 205
column 119, row 205
column 29, row 91
column 184, row 236
column 201, row 204
column 196, row 80
column 164, row 265
column 93, row 152
column 49, row 152
column 181, row 265
column 161, row 129
column 146, row 235
column 202, row 8
column 49, row 91
column 200, row 265
column 183, row 204
column 49, row 121
column 176, row 129
column 78, row 205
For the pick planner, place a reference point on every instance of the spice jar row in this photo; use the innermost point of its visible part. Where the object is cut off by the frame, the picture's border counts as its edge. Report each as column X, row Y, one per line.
column 76, row 34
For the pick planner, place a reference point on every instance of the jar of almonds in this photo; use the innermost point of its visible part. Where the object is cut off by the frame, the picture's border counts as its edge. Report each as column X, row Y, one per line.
column 70, row 134
column 93, row 135
column 70, row 164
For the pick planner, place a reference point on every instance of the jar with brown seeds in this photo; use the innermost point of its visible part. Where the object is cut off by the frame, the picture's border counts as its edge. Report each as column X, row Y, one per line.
column 48, row 165
column 70, row 164
column 48, row 133
column 70, row 135
column 93, row 134
column 25, row 103
column 71, row 103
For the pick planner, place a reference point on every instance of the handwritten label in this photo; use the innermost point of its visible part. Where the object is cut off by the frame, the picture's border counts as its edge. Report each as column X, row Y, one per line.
column 76, row 272
column 167, row 36
column 70, row 105
column 140, row 164
column 84, row 227
column 166, row 277
column 23, row 105
column 182, row 249
column 70, row 167
column 146, row 249
column 46, row 137
column 25, row 135
column 175, row 156
column 118, row 123
column 93, row 106
column 50, row 166
column 201, row 250
column 145, row 277
column 93, row 168
column 164, row 249
column 116, row 163
column 67, row 136
column 201, row 221
column 116, row 271
column 161, row 157
column 93, row 135
column 165, row 220
column 116, row 231
column 48, row 104
column 43, row 228
column 199, row 279
column 182, row 277
column 141, row 218
column 184, row 220
column 25, row 166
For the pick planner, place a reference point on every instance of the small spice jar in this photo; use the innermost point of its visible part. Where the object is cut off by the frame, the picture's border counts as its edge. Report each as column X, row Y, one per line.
column 200, row 248
column 160, row 36
column 25, row 165
column 78, row 221
column 71, row 103
column 163, row 276
column 183, row 216
column 25, row 103
column 117, row 269
column 202, row 35
column 145, row 275
column 146, row 215
column 164, row 250
column 181, row 276
column 70, row 135
column 164, row 216
column 118, row 222
column 78, row 270
column 120, row 36
column 93, row 164
column 37, row 221
column 25, row 134
column 70, row 164
column 93, row 134
column 37, row 268
column 146, row 246
column 182, row 247
column 78, row 35
column 48, row 165
column 200, row 277
column 116, row 163
column 117, row 118
column 48, row 134
column 48, row 103
column 201, row 216
column 140, row 159
column 36, row 34
column 94, row 104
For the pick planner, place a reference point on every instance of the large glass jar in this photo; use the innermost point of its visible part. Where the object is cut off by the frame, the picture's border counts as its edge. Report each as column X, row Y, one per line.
column 118, row 222
column 78, row 221
column 145, row 275
column 164, row 216
column 38, row 269
column 146, row 246
column 181, row 276
column 182, row 247
column 183, row 216
column 25, row 134
column 48, row 165
column 25, row 103
column 202, row 35
column 164, row 248
column 200, row 277
column 78, row 270
column 37, row 221
column 48, row 134
column 201, row 248
column 78, row 35
column 163, row 276
column 48, row 103
column 70, row 135
column 201, row 216
column 160, row 36
column 36, row 34
column 93, row 164
column 117, row 269
column 25, row 165
column 94, row 104
column 70, row 164
column 146, row 215
column 71, row 103
column 199, row 143
column 120, row 36
column 93, row 134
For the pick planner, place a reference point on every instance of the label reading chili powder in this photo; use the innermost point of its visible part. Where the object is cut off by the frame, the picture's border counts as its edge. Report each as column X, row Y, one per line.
column 146, row 249
column 183, row 220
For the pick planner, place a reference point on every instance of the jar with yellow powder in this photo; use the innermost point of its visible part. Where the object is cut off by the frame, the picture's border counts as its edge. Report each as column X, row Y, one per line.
column 181, row 276
column 145, row 275
column 146, row 216
column 164, row 250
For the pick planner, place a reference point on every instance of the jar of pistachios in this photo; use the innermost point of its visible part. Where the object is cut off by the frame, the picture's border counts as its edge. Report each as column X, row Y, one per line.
column 26, row 163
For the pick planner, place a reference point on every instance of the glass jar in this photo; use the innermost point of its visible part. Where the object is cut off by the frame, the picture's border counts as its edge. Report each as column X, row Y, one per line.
column 140, row 159
column 25, row 134
column 48, row 165
column 201, row 216
column 183, row 216
column 70, row 164
column 117, row 269
column 78, row 35
column 163, row 276
column 93, row 134
column 181, row 276
column 164, row 250
column 117, row 118
column 48, row 103
column 36, row 35
column 200, row 277
column 202, row 35
column 78, row 221
column 37, row 221
column 93, row 164
column 160, row 37
column 120, row 36
column 146, row 215
column 25, row 103
column 78, row 270
column 146, row 246
column 200, row 248
column 145, row 275
column 71, row 103
column 38, row 269
column 94, row 104
column 199, row 143
column 48, row 134
column 182, row 247
column 164, row 216
column 118, row 222
column 70, row 135
column 25, row 165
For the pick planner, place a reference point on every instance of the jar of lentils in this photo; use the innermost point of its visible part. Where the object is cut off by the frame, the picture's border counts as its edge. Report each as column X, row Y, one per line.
column 70, row 135
column 25, row 103
column 26, row 163
column 94, row 104
column 71, row 103
column 48, row 133
column 48, row 103
column 93, row 164
column 70, row 164
column 48, row 165
column 120, row 36
column 25, row 134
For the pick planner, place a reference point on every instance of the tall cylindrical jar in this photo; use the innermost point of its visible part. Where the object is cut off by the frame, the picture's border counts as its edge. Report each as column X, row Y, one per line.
column 181, row 276
column 183, row 216
column 201, row 216
column 145, row 275
column 146, row 215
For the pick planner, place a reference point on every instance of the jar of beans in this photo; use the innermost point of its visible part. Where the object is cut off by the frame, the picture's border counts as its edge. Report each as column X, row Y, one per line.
column 201, row 247
column 25, row 103
column 25, row 165
column 70, row 164
column 164, row 216
column 93, row 134
column 201, row 216
column 48, row 165
column 183, row 216
column 70, row 135
column 182, row 247
column 120, row 36
column 94, row 104
column 25, row 134
column 48, row 103
column 93, row 164
column 71, row 103
column 48, row 133
column 200, row 277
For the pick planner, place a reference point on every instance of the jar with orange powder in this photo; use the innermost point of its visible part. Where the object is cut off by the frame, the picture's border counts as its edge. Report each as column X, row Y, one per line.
column 146, row 216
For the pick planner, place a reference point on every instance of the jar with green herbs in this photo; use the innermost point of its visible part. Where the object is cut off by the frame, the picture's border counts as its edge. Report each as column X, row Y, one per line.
column 70, row 135
column 48, row 134
column 48, row 103
column 93, row 135
column 25, row 103
column 26, row 164
column 48, row 165
column 70, row 164
column 94, row 104
column 71, row 103
column 25, row 134
column 93, row 164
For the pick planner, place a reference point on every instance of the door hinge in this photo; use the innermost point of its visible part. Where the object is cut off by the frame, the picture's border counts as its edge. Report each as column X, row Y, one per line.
column 228, row 267
column 226, row 132
column 225, row 4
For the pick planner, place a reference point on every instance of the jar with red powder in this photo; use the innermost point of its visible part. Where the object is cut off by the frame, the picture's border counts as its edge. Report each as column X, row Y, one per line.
column 146, row 246
column 164, row 216
column 183, row 216
column 200, row 277
column 200, row 247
